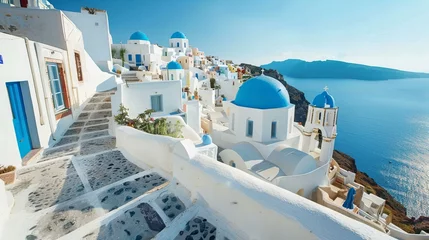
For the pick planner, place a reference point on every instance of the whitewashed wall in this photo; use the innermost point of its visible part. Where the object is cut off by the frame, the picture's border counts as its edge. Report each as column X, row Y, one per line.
column 36, row 24
column 136, row 97
column 229, row 88
column 96, row 36
column 261, row 209
column 15, row 68
column 255, row 207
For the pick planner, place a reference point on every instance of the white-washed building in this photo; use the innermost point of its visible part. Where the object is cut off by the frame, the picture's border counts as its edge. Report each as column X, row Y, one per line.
column 48, row 76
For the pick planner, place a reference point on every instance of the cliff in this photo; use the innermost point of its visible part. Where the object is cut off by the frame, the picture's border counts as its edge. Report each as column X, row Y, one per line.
column 346, row 162
column 338, row 70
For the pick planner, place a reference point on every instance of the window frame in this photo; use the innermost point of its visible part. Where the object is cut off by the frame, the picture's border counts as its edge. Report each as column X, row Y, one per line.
column 160, row 102
column 78, row 63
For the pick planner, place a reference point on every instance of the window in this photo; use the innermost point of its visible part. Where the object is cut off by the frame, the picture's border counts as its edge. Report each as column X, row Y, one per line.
column 171, row 44
column 184, row 44
column 130, row 57
column 178, row 44
column 172, row 77
column 96, row 24
column 156, row 103
column 249, row 130
column 180, row 76
column 186, row 60
column 59, row 92
column 273, row 129
column 78, row 66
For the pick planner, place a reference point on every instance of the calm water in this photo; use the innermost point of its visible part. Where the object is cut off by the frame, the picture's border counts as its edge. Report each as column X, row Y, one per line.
column 381, row 122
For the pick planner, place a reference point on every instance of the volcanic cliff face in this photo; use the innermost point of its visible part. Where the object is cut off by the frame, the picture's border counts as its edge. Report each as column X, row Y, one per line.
column 348, row 163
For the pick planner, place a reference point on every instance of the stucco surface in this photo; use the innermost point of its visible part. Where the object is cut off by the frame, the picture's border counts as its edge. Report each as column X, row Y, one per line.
column 85, row 188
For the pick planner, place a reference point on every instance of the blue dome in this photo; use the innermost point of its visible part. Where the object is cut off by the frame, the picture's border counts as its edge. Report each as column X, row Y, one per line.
column 324, row 100
column 139, row 36
column 262, row 92
column 173, row 65
column 207, row 140
column 178, row 35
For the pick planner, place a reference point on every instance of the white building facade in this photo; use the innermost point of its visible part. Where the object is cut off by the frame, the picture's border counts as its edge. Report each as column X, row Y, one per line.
column 46, row 79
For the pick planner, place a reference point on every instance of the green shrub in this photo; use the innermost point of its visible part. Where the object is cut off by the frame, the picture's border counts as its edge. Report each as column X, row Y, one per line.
column 146, row 123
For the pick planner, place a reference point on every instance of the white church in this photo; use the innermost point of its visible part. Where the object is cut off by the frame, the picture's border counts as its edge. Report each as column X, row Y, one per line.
column 261, row 138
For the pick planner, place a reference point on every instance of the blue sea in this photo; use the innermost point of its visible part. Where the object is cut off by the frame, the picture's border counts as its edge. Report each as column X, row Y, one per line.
column 384, row 125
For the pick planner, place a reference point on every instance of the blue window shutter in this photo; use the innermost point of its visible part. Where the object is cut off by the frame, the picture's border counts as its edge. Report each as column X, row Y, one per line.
column 178, row 44
column 130, row 57
column 156, row 103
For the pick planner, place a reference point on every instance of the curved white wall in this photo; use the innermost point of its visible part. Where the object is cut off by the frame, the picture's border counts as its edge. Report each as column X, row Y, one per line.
column 261, row 209
column 308, row 181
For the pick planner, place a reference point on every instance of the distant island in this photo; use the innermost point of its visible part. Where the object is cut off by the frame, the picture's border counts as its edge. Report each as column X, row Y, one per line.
column 336, row 69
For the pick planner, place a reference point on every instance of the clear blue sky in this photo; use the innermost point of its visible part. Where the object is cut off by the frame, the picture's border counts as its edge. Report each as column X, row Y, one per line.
column 391, row 33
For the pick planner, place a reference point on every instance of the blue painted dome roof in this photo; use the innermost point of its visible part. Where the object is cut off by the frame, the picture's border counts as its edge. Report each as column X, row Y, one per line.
column 178, row 35
column 173, row 65
column 324, row 100
column 139, row 36
column 207, row 140
column 262, row 92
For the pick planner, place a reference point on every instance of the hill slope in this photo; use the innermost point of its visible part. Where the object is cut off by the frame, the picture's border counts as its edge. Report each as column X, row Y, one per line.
column 336, row 69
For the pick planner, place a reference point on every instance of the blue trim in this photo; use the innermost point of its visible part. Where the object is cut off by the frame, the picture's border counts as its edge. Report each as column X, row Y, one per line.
column 19, row 118
column 138, row 60
column 156, row 103
column 56, row 87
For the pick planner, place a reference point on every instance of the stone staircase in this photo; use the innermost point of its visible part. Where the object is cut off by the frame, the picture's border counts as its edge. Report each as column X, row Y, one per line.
column 130, row 76
column 85, row 188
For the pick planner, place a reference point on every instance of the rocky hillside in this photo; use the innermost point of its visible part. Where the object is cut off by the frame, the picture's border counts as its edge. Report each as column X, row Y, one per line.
column 399, row 212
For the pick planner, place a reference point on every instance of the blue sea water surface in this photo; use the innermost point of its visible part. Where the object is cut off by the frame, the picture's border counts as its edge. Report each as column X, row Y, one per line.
column 384, row 125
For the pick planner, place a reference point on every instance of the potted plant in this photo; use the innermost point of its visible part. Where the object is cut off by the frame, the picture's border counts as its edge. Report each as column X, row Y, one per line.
column 196, row 95
column 8, row 174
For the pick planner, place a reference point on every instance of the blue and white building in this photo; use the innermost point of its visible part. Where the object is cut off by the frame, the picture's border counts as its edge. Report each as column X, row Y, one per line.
column 140, row 51
column 258, row 133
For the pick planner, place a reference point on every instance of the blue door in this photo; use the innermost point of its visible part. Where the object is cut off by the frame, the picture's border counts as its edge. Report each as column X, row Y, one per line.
column 138, row 60
column 19, row 118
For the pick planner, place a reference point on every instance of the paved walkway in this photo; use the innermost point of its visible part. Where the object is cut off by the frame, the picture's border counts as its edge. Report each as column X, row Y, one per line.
column 84, row 188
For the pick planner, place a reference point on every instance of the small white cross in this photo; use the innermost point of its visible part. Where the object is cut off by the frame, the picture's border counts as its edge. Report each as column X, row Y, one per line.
column 262, row 70
column 326, row 88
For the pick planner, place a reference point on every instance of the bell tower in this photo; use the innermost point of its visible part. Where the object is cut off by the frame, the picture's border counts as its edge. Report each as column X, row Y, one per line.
column 322, row 115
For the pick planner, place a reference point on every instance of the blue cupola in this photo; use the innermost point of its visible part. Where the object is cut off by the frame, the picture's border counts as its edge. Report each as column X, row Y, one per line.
column 178, row 35
column 324, row 100
column 139, row 36
column 173, row 65
column 262, row 92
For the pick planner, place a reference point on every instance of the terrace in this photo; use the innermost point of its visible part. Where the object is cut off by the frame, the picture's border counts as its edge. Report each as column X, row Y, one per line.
column 85, row 188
